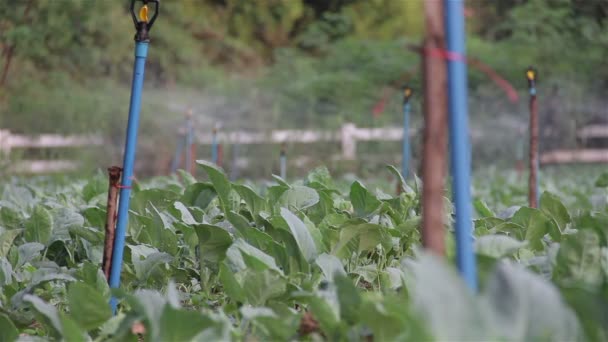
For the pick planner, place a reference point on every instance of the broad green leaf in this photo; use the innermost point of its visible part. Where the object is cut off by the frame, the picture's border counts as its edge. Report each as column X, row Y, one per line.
column 186, row 177
column 71, row 331
column 91, row 274
column 198, row 195
column 497, row 246
column 274, row 193
column 6, row 240
column 95, row 217
column 160, row 233
column 158, row 198
column 280, row 180
column 390, row 319
column 231, row 285
column 65, row 219
column 10, row 218
column 8, row 331
column 92, row 235
column 184, row 214
column 39, row 226
column 595, row 221
column 579, row 261
column 443, row 302
column 96, row 186
column 358, row 237
column 252, row 235
column 28, row 252
column 242, row 255
column 47, row 313
column 220, row 182
column 299, row 197
column 6, row 272
column 147, row 261
column 326, row 313
column 301, row 234
column 349, row 299
column 526, row 307
column 555, row 209
column 592, row 311
column 330, row 266
column 254, row 202
column 536, row 225
column 177, row 325
column 261, row 286
column 602, row 180
column 149, row 305
column 213, row 242
column 363, row 201
column 277, row 323
column 321, row 176
column 87, row 306
column 397, row 175
column 482, row 208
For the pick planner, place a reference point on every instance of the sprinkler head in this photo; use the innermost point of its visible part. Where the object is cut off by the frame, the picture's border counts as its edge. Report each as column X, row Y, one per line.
column 144, row 19
column 143, row 14
column 407, row 93
column 531, row 75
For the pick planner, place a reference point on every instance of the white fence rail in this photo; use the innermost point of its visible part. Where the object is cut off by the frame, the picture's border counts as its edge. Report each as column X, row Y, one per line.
column 348, row 136
column 9, row 141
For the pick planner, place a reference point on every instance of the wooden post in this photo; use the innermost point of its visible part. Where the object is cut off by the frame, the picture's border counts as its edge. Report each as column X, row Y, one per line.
column 435, row 130
column 534, row 160
column 114, row 176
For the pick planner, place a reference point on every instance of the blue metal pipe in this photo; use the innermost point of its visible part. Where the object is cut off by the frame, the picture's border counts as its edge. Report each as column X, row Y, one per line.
column 406, row 149
column 459, row 140
column 141, row 52
column 178, row 155
column 214, row 148
column 283, row 162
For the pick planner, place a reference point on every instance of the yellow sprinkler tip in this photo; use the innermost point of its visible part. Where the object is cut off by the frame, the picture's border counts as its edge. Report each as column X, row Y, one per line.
column 531, row 74
column 143, row 14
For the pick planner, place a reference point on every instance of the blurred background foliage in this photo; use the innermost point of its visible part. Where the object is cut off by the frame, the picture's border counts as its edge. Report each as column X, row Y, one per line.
column 65, row 66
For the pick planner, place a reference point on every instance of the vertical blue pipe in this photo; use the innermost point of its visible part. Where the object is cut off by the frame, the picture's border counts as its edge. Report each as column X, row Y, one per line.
column 214, row 147
column 189, row 140
column 141, row 52
column 459, row 141
column 405, row 158
column 178, row 154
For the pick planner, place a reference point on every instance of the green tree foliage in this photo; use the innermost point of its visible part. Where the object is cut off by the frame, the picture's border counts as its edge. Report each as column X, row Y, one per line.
column 66, row 65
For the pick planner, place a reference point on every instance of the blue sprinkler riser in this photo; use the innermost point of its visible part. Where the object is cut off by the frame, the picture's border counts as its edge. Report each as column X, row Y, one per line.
column 189, row 140
column 178, row 154
column 214, row 152
column 283, row 162
column 459, row 141
column 405, row 153
column 141, row 52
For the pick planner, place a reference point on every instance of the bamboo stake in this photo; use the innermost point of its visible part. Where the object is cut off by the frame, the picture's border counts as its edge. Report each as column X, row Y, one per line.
column 114, row 176
column 435, row 130
column 534, row 162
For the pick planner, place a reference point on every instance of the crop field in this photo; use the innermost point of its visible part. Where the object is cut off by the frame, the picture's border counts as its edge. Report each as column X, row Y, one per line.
column 317, row 259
